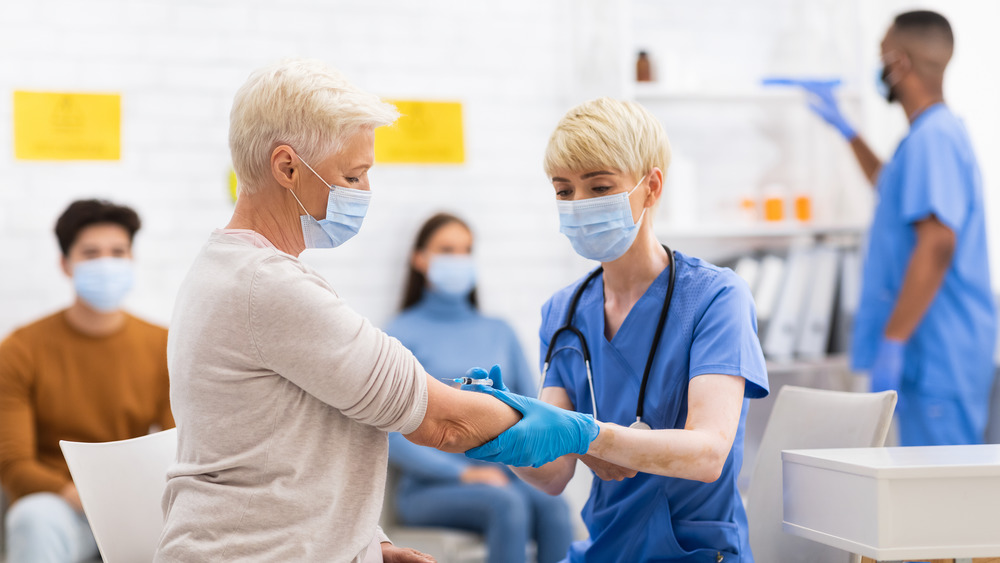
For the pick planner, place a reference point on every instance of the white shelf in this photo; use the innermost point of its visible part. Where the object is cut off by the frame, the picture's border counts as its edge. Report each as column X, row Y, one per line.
column 785, row 229
column 654, row 92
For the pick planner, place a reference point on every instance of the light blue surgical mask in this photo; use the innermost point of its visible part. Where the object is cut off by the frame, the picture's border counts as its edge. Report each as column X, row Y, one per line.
column 452, row 274
column 102, row 283
column 600, row 228
column 345, row 212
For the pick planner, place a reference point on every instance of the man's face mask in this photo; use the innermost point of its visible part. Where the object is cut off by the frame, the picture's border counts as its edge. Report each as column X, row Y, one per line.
column 882, row 84
column 345, row 212
column 103, row 283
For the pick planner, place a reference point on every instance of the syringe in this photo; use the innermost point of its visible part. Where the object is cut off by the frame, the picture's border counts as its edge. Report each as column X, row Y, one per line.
column 472, row 381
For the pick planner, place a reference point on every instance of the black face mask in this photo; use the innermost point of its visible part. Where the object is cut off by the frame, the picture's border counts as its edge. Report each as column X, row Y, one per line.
column 890, row 93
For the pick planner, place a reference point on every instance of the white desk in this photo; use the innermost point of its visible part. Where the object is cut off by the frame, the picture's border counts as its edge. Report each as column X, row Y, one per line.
column 896, row 503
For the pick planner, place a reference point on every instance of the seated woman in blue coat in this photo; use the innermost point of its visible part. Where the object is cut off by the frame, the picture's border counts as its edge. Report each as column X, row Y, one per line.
column 442, row 326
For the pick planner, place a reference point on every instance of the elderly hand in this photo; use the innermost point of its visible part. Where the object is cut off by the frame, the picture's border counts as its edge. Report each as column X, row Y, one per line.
column 393, row 554
column 484, row 475
column 821, row 101
column 543, row 434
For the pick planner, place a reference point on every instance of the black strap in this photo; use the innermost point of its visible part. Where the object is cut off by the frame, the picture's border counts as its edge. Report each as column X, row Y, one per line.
column 568, row 325
column 659, row 333
column 664, row 312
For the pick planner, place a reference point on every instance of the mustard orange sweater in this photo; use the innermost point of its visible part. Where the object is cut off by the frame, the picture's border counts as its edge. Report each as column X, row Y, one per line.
column 59, row 384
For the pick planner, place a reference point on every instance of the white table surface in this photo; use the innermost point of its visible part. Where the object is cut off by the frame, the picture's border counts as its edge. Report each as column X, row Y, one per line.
column 896, row 503
column 904, row 462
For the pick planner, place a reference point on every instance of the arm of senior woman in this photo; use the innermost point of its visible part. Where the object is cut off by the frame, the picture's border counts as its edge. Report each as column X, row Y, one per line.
column 457, row 421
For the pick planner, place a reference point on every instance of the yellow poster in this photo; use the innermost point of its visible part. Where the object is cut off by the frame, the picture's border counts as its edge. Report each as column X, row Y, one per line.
column 67, row 126
column 427, row 133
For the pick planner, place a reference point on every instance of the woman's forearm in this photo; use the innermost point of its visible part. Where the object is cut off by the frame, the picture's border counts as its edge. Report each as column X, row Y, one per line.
column 457, row 421
column 687, row 454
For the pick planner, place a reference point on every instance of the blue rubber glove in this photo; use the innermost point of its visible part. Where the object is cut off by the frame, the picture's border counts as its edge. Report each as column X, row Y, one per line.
column 887, row 371
column 543, row 434
column 480, row 373
column 821, row 101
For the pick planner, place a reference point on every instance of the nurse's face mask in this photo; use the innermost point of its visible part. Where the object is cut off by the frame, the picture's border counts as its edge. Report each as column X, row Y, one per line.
column 345, row 212
column 600, row 228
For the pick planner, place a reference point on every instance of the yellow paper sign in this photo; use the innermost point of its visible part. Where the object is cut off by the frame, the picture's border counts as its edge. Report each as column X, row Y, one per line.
column 233, row 185
column 67, row 126
column 427, row 133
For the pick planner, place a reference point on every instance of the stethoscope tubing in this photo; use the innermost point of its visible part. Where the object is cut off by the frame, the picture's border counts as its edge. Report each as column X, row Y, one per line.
column 585, row 349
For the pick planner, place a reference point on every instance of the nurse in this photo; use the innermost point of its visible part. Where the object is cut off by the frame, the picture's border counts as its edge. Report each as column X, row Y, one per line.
column 674, row 356
column 926, row 324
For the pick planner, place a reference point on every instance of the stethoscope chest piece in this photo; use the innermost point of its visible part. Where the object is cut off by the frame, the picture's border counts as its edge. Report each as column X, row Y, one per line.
column 640, row 425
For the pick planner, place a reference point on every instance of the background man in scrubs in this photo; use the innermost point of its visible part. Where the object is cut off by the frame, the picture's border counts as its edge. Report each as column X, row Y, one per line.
column 926, row 323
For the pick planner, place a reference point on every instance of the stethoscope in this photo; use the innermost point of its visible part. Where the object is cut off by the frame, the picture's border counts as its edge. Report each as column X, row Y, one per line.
column 568, row 327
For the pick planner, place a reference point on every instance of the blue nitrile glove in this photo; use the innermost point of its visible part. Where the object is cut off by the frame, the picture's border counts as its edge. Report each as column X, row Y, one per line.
column 543, row 434
column 821, row 101
column 887, row 371
column 480, row 373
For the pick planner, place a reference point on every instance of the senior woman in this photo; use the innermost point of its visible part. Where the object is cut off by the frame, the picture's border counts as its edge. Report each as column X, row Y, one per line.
column 283, row 395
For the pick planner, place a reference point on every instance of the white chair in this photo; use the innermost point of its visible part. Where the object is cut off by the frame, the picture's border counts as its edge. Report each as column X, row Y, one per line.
column 803, row 419
column 121, row 485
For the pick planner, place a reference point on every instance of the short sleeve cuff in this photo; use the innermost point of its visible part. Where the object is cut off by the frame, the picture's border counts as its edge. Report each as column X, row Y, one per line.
column 753, row 387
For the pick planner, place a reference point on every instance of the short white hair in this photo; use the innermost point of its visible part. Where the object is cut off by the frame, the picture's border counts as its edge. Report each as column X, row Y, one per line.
column 301, row 103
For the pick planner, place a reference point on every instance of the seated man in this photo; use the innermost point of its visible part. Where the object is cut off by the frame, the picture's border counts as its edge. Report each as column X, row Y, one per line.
column 89, row 373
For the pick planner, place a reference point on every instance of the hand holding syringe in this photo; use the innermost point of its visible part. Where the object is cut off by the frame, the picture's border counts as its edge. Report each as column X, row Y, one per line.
column 473, row 381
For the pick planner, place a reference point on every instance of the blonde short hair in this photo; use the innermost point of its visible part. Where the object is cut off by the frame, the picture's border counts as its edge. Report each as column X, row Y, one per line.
column 606, row 133
column 301, row 103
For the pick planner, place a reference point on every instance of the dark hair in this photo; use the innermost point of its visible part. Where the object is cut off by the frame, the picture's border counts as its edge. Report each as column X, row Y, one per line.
column 86, row 212
column 416, row 281
column 925, row 21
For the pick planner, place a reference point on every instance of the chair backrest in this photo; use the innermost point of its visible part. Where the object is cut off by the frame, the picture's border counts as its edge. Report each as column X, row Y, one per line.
column 121, row 486
column 802, row 419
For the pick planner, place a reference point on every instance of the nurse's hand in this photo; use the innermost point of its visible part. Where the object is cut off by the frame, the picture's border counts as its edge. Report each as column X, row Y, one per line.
column 887, row 371
column 543, row 434
column 480, row 373
column 821, row 101
column 607, row 471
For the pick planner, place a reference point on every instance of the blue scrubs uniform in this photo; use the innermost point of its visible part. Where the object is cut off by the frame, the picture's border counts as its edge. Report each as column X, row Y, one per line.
column 948, row 361
column 712, row 329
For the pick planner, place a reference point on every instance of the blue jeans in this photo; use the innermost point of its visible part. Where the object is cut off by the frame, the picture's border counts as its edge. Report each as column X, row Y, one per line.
column 44, row 528
column 508, row 516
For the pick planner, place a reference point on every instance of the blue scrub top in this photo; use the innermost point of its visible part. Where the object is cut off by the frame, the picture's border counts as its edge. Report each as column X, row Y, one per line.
column 933, row 172
column 712, row 329
column 448, row 337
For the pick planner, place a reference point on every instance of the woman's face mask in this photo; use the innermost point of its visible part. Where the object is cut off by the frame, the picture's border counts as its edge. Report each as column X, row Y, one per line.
column 452, row 274
column 600, row 228
column 345, row 212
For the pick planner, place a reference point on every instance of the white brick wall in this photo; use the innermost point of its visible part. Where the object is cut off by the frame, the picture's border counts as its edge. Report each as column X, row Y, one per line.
column 515, row 65
column 177, row 65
